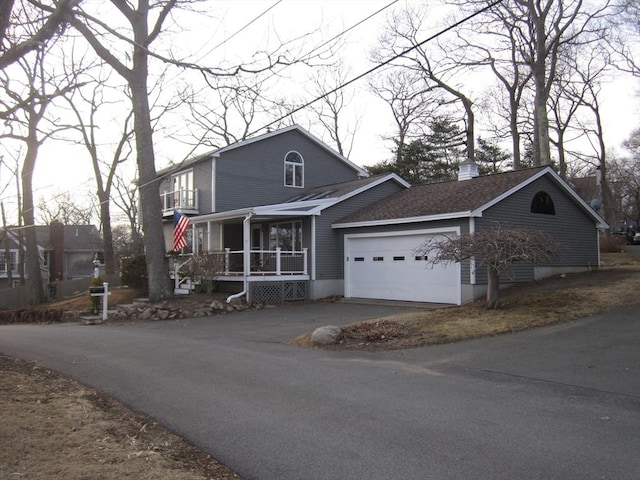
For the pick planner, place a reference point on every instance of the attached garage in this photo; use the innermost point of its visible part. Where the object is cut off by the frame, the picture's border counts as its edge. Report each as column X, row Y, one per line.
column 390, row 266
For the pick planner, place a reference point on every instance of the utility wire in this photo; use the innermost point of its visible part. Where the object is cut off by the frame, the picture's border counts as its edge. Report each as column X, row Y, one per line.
column 240, row 30
column 332, row 39
column 379, row 66
column 360, row 76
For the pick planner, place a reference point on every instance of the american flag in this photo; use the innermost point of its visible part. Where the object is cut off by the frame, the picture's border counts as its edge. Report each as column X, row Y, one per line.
column 180, row 225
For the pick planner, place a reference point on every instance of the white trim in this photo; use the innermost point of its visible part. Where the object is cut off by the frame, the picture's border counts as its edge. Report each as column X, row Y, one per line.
column 294, row 165
column 313, row 248
column 398, row 221
column 398, row 233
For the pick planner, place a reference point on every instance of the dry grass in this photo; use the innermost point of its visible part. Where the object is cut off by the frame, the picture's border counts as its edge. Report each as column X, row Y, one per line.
column 554, row 300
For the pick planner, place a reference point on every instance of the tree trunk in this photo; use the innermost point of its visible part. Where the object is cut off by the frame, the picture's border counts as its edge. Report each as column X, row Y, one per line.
column 107, row 236
column 542, row 148
column 151, row 207
column 493, row 288
column 35, row 292
column 515, row 136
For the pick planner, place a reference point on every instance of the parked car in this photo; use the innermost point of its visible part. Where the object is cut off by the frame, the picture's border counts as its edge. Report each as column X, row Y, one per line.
column 636, row 239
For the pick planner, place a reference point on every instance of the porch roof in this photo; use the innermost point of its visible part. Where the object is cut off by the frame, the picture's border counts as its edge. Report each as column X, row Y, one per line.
column 298, row 209
column 308, row 203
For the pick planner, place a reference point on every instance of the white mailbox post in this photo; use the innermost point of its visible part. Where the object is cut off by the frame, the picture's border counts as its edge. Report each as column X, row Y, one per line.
column 104, row 293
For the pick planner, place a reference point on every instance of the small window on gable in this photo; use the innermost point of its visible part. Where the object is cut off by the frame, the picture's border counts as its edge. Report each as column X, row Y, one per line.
column 542, row 203
column 293, row 170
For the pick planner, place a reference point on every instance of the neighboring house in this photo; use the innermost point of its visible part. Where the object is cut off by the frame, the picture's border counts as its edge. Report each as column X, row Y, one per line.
column 66, row 252
column 289, row 218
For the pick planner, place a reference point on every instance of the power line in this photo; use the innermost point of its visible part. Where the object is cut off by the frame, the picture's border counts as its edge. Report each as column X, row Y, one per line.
column 380, row 65
column 240, row 30
column 332, row 39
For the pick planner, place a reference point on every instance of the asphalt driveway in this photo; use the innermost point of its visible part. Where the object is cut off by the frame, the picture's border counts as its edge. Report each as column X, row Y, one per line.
column 560, row 402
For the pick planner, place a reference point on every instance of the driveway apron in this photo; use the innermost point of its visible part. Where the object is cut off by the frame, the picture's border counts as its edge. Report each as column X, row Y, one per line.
column 554, row 403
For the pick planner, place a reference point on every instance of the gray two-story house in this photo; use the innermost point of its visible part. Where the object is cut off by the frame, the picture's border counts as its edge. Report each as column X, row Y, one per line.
column 290, row 218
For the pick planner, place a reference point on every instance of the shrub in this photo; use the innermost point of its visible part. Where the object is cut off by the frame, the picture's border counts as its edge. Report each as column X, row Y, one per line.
column 612, row 243
column 134, row 272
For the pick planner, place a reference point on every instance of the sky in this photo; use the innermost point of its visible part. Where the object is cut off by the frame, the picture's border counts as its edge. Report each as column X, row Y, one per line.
column 223, row 32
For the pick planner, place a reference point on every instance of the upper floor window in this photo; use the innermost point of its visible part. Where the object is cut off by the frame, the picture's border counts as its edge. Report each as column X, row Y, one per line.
column 182, row 181
column 293, row 170
column 183, row 193
column 542, row 203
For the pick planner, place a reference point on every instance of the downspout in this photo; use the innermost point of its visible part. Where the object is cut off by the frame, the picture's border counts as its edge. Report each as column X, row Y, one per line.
column 246, row 257
column 472, row 260
column 313, row 247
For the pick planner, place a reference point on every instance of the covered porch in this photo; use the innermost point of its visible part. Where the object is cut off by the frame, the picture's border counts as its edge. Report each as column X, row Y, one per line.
column 259, row 250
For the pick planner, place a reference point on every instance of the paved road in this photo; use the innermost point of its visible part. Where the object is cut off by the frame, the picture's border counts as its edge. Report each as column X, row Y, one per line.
column 554, row 403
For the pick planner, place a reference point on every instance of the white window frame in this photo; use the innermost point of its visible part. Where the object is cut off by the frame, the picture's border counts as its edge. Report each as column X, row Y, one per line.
column 13, row 261
column 182, row 182
column 297, row 170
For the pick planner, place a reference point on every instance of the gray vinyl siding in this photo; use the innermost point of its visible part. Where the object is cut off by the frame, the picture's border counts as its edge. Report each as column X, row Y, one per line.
column 253, row 174
column 571, row 227
column 202, row 182
column 329, row 242
column 463, row 224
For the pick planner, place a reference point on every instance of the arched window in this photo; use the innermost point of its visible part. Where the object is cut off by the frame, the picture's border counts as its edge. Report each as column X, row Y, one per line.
column 293, row 170
column 542, row 203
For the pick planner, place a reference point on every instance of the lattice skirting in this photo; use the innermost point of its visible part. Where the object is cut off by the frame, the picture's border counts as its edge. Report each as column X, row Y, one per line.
column 278, row 292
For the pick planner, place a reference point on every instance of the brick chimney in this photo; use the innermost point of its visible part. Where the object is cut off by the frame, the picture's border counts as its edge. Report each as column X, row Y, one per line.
column 56, row 259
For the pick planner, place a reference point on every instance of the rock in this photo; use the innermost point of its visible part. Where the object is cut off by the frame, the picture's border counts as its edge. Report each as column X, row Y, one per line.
column 217, row 305
column 70, row 316
column 162, row 314
column 329, row 335
column 146, row 314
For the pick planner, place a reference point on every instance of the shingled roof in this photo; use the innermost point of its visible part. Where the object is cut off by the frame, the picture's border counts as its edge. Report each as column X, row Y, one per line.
column 446, row 198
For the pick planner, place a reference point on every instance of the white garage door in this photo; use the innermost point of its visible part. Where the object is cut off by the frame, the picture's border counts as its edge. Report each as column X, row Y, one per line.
column 388, row 267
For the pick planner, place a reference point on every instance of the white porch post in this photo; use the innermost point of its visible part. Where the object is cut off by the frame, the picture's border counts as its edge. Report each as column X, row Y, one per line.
column 227, row 254
column 246, row 247
column 278, row 260
column 304, row 260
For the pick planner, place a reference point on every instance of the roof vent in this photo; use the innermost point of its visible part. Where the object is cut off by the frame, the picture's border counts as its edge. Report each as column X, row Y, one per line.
column 468, row 170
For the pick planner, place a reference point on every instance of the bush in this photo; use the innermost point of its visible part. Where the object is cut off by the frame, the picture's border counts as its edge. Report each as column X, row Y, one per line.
column 612, row 243
column 134, row 272
column 95, row 301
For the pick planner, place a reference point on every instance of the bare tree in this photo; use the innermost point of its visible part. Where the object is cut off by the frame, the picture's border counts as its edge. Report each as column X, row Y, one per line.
column 501, row 53
column 496, row 249
column 67, row 209
column 330, row 109
column 36, row 23
column 86, row 104
column 412, row 106
column 625, row 37
column 126, row 200
column 25, row 111
column 146, row 21
column 230, row 118
column 439, row 71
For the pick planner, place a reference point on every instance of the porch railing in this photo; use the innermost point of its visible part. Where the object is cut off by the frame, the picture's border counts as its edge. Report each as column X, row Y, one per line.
column 266, row 262
column 180, row 199
column 263, row 262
